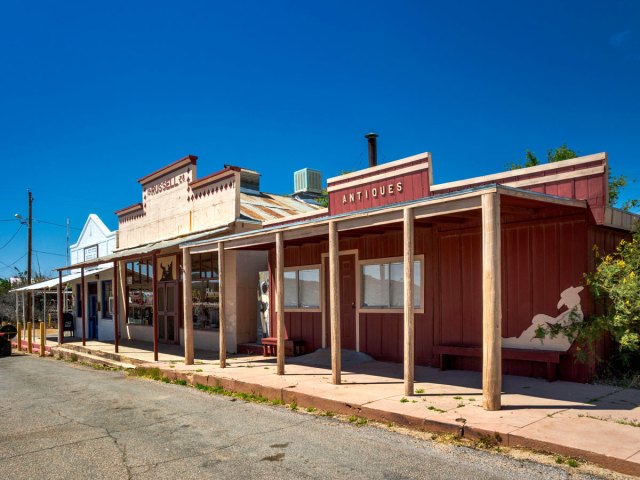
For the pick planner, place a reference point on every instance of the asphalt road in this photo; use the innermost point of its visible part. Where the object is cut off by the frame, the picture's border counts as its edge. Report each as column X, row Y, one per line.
column 61, row 420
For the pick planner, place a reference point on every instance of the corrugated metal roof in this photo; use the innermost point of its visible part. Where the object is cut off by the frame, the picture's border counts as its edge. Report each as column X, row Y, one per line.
column 53, row 282
column 268, row 206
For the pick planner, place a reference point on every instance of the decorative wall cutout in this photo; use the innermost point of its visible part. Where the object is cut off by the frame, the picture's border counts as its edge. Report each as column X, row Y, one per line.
column 569, row 298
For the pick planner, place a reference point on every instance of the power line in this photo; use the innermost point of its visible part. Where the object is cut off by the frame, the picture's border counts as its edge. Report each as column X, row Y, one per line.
column 6, row 265
column 56, row 224
column 14, row 236
column 50, row 253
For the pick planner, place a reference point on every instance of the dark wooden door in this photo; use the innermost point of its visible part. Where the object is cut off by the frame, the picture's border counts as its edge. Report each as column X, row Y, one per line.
column 93, row 310
column 347, row 274
column 168, row 306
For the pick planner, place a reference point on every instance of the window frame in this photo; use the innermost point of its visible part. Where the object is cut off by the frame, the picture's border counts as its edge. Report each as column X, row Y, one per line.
column 388, row 260
column 209, row 276
column 107, row 301
column 317, row 309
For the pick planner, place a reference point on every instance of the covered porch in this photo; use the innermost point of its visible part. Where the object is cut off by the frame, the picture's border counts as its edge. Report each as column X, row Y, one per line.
column 329, row 239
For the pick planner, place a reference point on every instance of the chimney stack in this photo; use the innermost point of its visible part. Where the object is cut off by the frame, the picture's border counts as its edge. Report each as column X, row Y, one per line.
column 373, row 148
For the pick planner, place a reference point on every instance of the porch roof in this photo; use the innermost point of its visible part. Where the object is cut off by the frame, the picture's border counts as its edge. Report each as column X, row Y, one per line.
column 147, row 248
column 436, row 205
column 53, row 282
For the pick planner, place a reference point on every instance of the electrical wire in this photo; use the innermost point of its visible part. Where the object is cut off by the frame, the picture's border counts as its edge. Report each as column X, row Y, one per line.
column 7, row 265
column 14, row 236
column 50, row 253
column 56, row 224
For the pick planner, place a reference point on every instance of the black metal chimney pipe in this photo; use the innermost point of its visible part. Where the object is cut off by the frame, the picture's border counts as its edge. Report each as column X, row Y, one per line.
column 373, row 148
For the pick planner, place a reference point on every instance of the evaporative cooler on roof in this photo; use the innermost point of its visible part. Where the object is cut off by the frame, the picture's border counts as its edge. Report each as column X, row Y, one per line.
column 307, row 180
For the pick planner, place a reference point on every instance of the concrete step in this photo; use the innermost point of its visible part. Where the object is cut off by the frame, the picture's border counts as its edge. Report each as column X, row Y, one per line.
column 111, row 356
column 82, row 356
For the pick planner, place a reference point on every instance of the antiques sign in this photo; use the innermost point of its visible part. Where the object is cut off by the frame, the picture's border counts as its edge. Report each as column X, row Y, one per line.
column 381, row 190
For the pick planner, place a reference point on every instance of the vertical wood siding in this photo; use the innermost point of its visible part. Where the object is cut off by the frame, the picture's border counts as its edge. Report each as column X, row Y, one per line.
column 539, row 260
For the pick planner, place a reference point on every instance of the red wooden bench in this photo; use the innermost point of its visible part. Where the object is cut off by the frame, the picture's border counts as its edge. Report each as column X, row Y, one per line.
column 550, row 357
column 292, row 348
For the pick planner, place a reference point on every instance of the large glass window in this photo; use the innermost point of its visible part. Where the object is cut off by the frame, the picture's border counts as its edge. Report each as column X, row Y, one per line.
column 140, row 292
column 383, row 285
column 302, row 288
column 205, row 286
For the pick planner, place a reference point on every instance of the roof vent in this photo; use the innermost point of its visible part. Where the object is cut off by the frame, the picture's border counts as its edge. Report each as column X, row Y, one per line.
column 307, row 180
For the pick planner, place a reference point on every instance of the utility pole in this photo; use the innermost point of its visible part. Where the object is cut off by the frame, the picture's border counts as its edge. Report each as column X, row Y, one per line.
column 29, row 313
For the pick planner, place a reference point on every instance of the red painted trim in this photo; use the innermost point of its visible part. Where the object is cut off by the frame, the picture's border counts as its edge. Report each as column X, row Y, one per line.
column 189, row 159
column 84, row 305
column 201, row 182
column 129, row 209
column 116, row 333
column 60, row 309
column 155, row 308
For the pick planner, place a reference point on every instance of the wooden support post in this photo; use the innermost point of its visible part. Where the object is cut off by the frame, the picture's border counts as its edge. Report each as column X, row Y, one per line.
column 187, row 302
column 24, row 316
column 155, row 307
column 221, row 302
column 29, row 339
column 60, row 310
column 43, row 338
column 280, row 300
column 409, row 319
column 84, row 305
column 491, row 303
column 19, row 337
column 116, row 318
column 33, row 317
column 334, row 300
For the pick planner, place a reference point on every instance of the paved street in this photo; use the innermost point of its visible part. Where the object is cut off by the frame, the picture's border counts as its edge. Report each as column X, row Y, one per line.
column 63, row 420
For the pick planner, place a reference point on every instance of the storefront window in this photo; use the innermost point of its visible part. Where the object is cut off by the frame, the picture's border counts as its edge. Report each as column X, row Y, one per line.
column 302, row 288
column 140, row 292
column 383, row 285
column 205, row 291
column 107, row 299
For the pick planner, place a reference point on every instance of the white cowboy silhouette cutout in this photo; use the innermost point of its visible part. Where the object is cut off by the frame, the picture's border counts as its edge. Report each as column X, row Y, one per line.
column 570, row 298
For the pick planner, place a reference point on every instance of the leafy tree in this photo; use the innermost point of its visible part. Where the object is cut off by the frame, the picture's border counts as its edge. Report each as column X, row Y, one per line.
column 616, row 183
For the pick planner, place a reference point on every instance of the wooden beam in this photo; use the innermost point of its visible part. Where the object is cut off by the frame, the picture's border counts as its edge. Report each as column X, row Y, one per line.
column 83, row 293
column 222, row 314
column 409, row 319
column 116, row 318
column 187, row 303
column 60, row 310
column 280, row 300
column 491, row 303
column 155, row 307
column 334, row 301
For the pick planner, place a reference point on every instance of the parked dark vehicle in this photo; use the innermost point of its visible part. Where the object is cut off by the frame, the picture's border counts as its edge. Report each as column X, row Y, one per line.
column 7, row 333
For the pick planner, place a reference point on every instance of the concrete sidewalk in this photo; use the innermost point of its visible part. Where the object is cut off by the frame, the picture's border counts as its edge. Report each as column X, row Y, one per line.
column 597, row 423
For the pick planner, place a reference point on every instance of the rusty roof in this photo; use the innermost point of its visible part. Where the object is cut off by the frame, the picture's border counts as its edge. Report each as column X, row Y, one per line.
column 269, row 206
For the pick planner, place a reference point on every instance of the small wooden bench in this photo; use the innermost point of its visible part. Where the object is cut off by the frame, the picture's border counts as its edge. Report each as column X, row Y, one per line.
column 292, row 348
column 550, row 357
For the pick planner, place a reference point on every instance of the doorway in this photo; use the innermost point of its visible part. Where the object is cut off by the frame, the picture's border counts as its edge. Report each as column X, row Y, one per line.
column 92, row 314
column 347, row 278
column 168, row 305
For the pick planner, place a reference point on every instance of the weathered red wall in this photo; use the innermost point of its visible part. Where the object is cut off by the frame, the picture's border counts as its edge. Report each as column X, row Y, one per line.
column 539, row 260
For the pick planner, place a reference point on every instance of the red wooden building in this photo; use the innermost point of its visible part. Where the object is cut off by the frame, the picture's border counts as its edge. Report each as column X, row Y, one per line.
column 406, row 270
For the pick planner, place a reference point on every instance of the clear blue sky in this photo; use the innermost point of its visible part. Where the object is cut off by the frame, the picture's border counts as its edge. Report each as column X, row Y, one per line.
column 95, row 95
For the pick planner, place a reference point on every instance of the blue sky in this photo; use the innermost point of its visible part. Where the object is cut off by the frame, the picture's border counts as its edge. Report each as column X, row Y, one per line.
column 95, row 95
